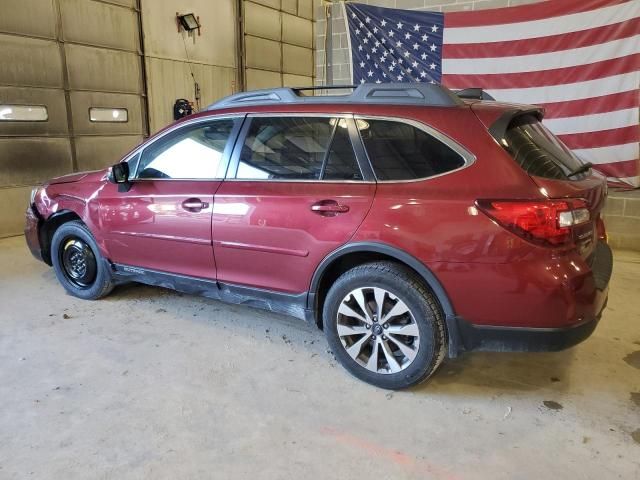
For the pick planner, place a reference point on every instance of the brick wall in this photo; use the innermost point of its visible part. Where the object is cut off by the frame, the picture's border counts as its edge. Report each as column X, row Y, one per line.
column 341, row 55
column 622, row 219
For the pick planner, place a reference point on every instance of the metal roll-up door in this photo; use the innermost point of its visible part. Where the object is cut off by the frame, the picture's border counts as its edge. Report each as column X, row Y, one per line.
column 61, row 60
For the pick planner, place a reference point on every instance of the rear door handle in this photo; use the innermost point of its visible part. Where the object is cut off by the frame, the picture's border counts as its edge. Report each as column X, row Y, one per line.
column 329, row 208
column 194, row 205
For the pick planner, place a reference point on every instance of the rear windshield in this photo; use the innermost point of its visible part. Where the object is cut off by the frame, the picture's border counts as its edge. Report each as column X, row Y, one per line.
column 538, row 151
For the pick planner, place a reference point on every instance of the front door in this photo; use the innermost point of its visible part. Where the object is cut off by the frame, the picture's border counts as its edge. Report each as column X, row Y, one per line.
column 164, row 221
column 295, row 194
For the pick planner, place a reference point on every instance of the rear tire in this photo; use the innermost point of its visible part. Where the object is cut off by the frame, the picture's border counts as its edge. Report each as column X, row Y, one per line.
column 78, row 264
column 384, row 325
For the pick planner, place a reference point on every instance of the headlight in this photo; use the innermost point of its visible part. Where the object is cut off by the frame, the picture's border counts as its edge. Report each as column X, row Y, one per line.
column 34, row 192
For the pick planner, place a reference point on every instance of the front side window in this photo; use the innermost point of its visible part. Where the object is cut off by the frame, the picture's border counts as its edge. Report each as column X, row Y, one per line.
column 399, row 151
column 298, row 148
column 193, row 152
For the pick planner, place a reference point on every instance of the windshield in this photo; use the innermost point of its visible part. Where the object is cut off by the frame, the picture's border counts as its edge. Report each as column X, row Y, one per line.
column 538, row 151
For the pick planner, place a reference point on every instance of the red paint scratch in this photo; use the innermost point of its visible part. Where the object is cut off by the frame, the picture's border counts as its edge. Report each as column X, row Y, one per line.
column 399, row 458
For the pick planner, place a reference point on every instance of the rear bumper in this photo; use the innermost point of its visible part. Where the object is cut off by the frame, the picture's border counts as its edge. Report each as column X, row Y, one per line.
column 33, row 221
column 516, row 339
column 525, row 339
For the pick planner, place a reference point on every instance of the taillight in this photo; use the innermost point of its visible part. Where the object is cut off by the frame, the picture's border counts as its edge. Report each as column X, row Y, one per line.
column 545, row 222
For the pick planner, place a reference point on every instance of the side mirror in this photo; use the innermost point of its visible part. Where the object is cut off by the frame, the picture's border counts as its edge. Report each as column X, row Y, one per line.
column 120, row 175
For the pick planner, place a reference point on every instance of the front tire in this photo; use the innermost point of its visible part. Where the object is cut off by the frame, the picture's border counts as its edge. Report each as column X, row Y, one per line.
column 384, row 325
column 77, row 262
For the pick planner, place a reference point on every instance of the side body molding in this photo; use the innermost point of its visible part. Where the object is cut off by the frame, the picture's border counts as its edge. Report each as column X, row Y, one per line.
column 404, row 257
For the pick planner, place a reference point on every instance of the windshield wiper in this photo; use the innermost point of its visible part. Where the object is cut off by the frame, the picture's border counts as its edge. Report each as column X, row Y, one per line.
column 581, row 169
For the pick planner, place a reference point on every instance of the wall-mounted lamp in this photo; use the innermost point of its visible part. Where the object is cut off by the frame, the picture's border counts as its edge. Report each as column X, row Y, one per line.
column 188, row 22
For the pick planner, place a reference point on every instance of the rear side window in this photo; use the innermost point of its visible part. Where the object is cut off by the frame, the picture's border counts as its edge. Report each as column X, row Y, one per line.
column 538, row 151
column 399, row 151
column 298, row 148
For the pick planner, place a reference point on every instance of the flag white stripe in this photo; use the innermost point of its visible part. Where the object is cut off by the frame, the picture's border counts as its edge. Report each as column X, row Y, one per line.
column 570, row 91
column 542, row 28
column 628, row 180
column 543, row 61
column 615, row 153
column 593, row 123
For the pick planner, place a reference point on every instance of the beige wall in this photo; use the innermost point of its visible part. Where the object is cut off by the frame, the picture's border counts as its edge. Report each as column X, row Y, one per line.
column 68, row 55
column 71, row 55
column 212, row 54
column 278, row 43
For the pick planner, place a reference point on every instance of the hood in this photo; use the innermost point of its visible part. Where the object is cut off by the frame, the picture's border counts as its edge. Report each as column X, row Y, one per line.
column 76, row 177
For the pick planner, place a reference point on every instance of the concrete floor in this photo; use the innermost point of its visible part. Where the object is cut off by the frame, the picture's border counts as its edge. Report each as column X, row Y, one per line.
column 148, row 383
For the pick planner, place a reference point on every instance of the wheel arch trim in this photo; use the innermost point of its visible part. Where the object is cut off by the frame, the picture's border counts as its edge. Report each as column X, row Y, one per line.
column 398, row 254
column 386, row 249
column 47, row 228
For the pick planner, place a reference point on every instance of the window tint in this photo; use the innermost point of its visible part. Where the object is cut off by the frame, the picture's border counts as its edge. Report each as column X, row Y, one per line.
column 399, row 151
column 537, row 150
column 193, row 152
column 291, row 148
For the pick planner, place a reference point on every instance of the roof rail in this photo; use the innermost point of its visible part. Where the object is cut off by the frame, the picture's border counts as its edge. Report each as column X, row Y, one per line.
column 474, row 93
column 417, row 94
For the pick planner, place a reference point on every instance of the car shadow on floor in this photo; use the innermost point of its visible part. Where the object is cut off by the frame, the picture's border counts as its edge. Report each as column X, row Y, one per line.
column 503, row 371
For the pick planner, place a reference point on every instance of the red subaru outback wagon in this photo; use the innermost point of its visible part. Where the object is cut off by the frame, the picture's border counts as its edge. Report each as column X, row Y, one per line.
column 408, row 223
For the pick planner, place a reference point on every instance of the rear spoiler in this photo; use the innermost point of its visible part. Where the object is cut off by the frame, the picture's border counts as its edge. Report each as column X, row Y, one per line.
column 500, row 126
column 474, row 94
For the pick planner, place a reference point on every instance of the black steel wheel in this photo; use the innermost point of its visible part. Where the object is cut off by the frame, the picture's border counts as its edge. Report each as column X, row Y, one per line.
column 77, row 262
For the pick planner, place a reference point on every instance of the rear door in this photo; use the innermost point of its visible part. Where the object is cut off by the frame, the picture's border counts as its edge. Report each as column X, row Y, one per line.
column 295, row 192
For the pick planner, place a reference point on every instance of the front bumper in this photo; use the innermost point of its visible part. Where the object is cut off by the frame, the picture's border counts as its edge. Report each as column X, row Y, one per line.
column 524, row 339
column 33, row 220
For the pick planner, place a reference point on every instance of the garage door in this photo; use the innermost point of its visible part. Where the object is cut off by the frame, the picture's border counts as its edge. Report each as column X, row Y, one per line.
column 71, row 92
column 278, row 43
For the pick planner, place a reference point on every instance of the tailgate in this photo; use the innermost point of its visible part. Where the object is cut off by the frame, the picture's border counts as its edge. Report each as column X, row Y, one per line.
column 556, row 170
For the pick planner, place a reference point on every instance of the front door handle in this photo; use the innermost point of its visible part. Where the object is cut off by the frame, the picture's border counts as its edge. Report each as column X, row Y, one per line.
column 194, row 205
column 329, row 208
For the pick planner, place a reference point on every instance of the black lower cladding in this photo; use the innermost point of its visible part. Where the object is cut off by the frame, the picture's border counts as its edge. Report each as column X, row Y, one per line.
column 601, row 263
column 516, row 339
column 463, row 336
column 287, row 304
column 33, row 220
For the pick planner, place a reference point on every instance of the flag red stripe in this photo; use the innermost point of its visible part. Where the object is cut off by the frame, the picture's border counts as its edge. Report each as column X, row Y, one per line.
column 628, row 168
column 552, row 43
column 523, row 13
column 589, row 106
column 603, row 138
column 545, row 78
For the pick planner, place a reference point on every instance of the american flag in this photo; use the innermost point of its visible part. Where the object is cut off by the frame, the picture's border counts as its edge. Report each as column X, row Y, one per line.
column 579, row 59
